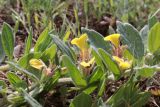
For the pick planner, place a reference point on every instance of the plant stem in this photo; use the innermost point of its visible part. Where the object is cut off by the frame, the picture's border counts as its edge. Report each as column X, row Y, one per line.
column 4, row 67
column 65, row 81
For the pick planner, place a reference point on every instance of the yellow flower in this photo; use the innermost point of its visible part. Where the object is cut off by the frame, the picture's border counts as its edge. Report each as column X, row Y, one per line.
column 123, row 65
column 81, row 42
column 114, row 39
column 155, row 92
column 87, row 64
column 37, row 63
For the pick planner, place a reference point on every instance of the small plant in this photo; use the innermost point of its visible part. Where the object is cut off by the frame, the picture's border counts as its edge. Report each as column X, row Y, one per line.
column 77, row 66
column 85, row 65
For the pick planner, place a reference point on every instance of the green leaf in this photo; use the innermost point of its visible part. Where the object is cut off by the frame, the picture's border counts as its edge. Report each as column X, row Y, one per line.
column 90, row 88
column 102, row 85
column 15, row 81
column 52, row 81
column 2, row 54
column 75, row 74
column 2, row 85
column 67, row 34
column 153, row 38
column 7, row 40
column 43, row 41
column 93, row 80
column 17, row 67
column 82, row 100
column 3, row 89
column 28, row 43
column 143, row 98
column 131, row 38
column 152, row 20
column 99, row 103
column 30, row 99
column 49, row 53
column 24, row 61
column 96, row 75
column 96, row 40
column 98, row 59
column 144, row 34
column 128, row 95
column 62, row 46
column 146, row 72
column 110, row 63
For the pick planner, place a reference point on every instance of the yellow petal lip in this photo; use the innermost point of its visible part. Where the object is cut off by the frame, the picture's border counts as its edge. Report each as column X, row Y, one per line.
column 87, row 64
column 117, row 59
column 123, row 65
column 155, row 92
column 114, row 39
column 37, row 63
column 81, row 42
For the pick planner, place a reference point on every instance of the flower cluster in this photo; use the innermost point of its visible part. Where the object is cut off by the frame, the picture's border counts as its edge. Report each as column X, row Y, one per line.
column 81, row 43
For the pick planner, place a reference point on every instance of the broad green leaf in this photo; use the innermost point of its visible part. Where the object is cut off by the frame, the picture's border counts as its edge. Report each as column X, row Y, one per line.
column 7, row 38
column 96, row 75
column 96, row 40
column 146, row 72
column 153, row 38
column 17, row 67
column 102, row 85
column 131, row 37
column 82, row 100
column 31, row 100
column 28, row 43
column 62, row 47
column 110, row 63
column 43, row 41
column 98, row 59
column 49, row 53
column 2, row 54
column 144, row 34
column 15, row 81
column 75, row 74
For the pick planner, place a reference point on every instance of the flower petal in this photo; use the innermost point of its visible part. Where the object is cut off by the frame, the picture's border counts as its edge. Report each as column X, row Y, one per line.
column 37, row 63
column 123, row 65
column 81, row 42
column 117, row 59
column 114, row 39
column 87, row 64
